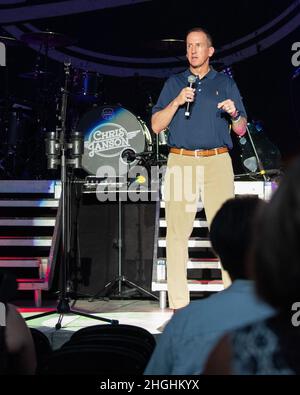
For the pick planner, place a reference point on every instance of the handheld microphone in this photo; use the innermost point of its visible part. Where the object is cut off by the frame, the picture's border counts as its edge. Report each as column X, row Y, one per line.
column 191, row 81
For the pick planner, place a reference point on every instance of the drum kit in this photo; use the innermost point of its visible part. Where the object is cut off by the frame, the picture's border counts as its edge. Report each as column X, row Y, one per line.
column 113, row 135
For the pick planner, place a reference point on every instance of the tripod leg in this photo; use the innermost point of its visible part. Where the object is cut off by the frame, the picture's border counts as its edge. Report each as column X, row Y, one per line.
column 142, row 290
column 113, row 322
column 104, row 291
column 58, row 325
column 33, row 317
column 61, row 316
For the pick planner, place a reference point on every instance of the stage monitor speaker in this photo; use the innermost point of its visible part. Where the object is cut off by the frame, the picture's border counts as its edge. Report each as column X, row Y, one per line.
column 98, row 244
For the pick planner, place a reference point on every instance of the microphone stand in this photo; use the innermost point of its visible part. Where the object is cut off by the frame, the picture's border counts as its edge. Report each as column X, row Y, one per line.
column 128, row 155
column 272, row 172
column 54, row 150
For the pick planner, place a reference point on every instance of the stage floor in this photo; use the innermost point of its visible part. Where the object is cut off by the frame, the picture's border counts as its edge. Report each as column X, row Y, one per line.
column 143, row 313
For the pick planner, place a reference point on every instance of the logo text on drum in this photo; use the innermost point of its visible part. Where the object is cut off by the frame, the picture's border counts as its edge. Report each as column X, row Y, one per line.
column 103, row 140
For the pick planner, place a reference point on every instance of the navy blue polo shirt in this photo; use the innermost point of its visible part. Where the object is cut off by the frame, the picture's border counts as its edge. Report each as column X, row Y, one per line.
column 207, row 127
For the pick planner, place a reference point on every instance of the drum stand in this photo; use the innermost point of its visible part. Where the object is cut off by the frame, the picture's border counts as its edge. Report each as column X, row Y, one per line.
column 261, row 171
column 57, row 155
column 121, row 279
column 160, row 141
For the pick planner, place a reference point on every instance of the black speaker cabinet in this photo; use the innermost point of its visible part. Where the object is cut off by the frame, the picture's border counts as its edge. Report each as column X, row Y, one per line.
column 112, row 238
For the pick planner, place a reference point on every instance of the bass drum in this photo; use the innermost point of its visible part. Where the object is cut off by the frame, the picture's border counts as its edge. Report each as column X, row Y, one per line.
column 112, row 137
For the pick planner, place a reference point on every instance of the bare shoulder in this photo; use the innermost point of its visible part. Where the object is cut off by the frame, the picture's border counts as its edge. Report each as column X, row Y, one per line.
column 17, row 333
column 13, row 316
column 219, row 360
column 19, row 342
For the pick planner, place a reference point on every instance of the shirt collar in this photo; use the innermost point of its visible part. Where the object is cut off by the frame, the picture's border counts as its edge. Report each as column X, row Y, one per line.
column 210, row 75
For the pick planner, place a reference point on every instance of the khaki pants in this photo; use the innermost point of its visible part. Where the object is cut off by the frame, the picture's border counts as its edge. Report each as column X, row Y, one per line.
column 187, row 177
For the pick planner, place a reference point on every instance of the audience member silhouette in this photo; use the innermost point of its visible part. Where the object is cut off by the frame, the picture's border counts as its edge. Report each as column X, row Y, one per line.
column 193, row 331
column 270, row 346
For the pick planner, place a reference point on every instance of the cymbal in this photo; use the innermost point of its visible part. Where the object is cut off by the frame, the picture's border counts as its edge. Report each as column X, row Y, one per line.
column 49, row 39
column 35, row 75
column 168, row 45
column 10, row 41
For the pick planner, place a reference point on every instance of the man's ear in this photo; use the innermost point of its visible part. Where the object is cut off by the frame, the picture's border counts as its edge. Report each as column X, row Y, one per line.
column 211, row 51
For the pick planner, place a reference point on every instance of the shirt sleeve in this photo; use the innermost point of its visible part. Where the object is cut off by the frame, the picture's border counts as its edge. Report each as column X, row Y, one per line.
column 165, row 97
column 234, row 94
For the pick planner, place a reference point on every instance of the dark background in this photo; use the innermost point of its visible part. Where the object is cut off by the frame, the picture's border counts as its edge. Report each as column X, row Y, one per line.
column 265, row 80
